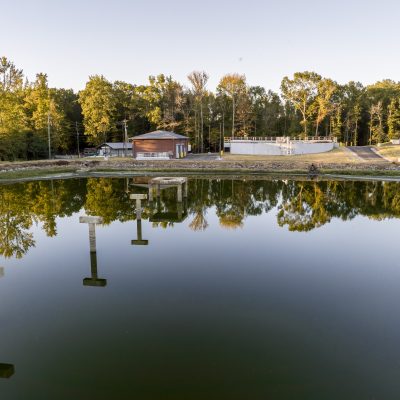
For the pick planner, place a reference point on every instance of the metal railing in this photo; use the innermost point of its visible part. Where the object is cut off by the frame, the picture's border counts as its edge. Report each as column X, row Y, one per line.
column 281, row 139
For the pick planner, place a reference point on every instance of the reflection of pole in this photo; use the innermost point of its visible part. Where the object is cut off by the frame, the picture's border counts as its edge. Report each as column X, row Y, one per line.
column 139, row 197
column 151, row 189
column 179, row 193
column 139, row 241
column 179, row 207
column 6, row 370
column 94, row 280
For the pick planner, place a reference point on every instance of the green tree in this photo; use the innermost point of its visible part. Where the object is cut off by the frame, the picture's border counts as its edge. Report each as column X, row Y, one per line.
column 198, row 80
column 234, row 86
column 43, row 110
column 98, row 104
column 163, row 98
column 301, row 92
column 13, row 121
column 393, row 119
column 323, row 102
column 377, row 133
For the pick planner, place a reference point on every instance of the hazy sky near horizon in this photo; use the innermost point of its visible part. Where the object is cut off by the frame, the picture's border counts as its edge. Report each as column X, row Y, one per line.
column 265, row 40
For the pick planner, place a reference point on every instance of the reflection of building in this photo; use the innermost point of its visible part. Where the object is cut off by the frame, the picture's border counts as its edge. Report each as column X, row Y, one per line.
column 162, row 145
column 158, row 184
column 6, row 370
column 94, row 280
column 160, row 215
column 160, row 212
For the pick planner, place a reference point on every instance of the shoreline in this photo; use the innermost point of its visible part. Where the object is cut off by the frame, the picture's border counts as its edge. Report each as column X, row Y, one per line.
column 63, row 169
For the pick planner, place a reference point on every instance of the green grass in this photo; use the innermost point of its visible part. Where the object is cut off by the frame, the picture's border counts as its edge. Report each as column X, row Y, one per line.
column 337, row 162
column 390, row 151
column 33, row 173
column 337, row 156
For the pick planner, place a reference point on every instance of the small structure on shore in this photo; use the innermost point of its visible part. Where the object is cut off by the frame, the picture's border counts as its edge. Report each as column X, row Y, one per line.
column 161, row 145
column 279, row 146
column 118, row 149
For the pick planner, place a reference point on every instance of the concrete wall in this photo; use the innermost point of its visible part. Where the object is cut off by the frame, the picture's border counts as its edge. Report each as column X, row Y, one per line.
column 250, row 147
column 311, row 148
column 277, row 149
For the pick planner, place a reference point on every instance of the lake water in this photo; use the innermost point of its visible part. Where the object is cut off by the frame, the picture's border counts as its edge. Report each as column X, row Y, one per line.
column 248, row 289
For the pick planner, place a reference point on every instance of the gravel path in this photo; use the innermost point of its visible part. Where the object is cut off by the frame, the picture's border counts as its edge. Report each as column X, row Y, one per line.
column 366, row 153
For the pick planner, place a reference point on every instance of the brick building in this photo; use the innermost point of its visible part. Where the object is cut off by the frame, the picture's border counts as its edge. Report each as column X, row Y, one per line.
column 162, row 145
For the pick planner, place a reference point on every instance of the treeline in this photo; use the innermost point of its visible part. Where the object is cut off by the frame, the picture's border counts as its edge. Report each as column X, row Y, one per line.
column 298, row 205
column 32, row 114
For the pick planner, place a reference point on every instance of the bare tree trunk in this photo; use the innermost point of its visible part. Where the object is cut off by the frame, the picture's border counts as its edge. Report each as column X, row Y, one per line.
column 233, row 117
column 201, row 123
column 304, row 121
column 196, row 133
column 209, row 137
column 223, row 125
column 355, row 135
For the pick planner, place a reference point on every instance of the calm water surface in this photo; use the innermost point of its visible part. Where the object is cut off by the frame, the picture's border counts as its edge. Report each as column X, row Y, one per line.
column 248, row 290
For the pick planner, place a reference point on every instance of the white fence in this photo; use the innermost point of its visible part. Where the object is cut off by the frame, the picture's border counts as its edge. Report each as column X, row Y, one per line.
column 153, row 155
column 281, row 139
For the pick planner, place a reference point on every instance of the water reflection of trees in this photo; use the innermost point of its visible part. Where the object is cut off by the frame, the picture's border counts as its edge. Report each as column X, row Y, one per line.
column 298, row 205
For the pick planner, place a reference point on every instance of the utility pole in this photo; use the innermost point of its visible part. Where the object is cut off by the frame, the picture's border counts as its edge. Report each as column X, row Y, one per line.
column 220, row 139
column 77, row 138
column 125, row 135
column 48, row 133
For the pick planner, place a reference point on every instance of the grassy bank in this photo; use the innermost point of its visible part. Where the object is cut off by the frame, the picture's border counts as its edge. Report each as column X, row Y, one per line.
column 390, row 152
column 337, row 162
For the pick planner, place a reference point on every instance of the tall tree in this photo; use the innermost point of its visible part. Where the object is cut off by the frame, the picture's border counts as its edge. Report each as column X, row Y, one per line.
column 163, row 98
column 98, row 104
column 323, row 104
column 199, row 80
column 234, row 86
column 377, row 133
column 301, row 92
column 13, row 121
column 393, row 120
column 45, row 112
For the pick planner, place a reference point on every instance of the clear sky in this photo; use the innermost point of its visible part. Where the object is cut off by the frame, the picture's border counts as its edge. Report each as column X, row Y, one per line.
column 266, row 40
